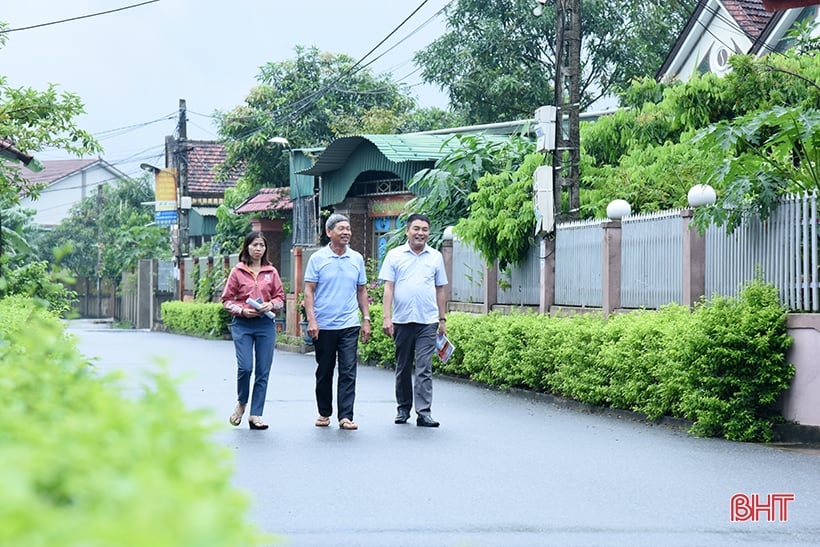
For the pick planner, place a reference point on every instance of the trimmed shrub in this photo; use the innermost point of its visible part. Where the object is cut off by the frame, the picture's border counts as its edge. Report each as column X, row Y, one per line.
column 737, row 365
column 203, row 319
column 722, row 366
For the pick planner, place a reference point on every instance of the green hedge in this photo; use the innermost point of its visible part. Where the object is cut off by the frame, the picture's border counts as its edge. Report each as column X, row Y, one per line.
column 84, row 464
column 207, row 320
column 722, row 366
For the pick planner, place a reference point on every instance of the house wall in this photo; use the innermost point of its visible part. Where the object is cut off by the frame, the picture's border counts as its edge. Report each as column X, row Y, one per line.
column 356, row 210
column 711, row 48
column 800, row 403
column 54, row 202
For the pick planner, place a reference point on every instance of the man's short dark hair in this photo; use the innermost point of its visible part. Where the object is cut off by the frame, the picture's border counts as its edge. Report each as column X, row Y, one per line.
column 418, row 216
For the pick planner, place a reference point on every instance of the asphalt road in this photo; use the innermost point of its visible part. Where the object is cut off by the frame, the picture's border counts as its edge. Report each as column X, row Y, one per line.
column 503, row 470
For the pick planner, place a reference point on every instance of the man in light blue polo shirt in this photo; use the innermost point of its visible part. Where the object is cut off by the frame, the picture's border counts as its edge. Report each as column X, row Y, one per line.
column 414, row 312
column 335, row 292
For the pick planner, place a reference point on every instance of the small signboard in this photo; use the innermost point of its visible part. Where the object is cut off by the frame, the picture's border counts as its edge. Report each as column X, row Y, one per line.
column 165, row 218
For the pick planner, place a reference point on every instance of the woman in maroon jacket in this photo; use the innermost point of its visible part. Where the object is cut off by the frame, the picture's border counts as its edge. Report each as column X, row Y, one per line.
column 252, row 328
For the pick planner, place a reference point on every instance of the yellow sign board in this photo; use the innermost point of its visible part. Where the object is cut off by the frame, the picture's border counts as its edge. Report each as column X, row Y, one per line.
column 165, row 188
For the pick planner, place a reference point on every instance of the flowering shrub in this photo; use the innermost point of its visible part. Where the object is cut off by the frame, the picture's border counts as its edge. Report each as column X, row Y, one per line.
column 375, row 288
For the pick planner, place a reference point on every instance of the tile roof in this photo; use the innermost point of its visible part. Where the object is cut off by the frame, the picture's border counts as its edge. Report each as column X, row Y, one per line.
column 750, row 15
column 267, row 199
column 203, row 157
column 54, row 170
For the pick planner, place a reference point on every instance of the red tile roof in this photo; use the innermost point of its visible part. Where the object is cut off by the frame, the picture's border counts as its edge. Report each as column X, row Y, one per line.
column 267, row 199
column 750, row 15
column 203, row 157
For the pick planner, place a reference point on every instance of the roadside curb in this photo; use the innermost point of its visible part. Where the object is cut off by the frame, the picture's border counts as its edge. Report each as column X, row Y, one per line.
column 785, row 435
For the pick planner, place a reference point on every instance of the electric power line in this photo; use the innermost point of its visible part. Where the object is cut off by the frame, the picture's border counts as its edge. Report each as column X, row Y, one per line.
column 78, row 18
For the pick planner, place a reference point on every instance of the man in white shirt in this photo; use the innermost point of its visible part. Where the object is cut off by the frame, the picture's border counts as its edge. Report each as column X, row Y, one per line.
column 414, row 314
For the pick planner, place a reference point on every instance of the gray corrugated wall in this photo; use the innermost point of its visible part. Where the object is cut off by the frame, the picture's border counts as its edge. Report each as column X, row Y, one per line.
column 468, row 273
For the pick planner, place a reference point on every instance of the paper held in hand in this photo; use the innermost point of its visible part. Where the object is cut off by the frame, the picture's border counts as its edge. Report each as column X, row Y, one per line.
column 444, row 348
column 256, row 305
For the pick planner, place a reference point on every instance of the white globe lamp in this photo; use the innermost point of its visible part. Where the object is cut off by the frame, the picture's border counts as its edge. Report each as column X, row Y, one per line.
column 618, row 209
column 701, row 194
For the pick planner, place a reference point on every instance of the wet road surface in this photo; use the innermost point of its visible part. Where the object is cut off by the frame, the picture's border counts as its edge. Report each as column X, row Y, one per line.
column 503, row 470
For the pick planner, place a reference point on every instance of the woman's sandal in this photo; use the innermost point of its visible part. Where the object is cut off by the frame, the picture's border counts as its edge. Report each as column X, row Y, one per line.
column 255, row 422
column 236, row 417
column 322, row 421
column 346, row 423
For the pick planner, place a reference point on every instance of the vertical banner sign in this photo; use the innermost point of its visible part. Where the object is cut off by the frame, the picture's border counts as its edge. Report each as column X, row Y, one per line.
column 165, row 189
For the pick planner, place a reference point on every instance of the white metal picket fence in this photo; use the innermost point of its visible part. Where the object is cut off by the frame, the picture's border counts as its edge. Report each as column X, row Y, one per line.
column 652, row 259
column 783, row 249
column 578, row 264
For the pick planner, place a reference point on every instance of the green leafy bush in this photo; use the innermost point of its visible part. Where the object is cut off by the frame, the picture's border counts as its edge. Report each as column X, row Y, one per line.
column 380, row 350
column 722, row 366
column 208, row 285
column 85, row 465
column 737, row 365
column 204, row 319
column 35, row 281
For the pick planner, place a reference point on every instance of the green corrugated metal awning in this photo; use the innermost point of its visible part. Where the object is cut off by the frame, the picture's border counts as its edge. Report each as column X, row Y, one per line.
column 396, row 148
column 301, row 185
column 346, row 158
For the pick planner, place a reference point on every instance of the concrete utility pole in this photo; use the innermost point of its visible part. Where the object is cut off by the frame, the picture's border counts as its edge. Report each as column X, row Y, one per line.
column 99, row 269
column 182, row 159
column 183, row 203
column 567, row 158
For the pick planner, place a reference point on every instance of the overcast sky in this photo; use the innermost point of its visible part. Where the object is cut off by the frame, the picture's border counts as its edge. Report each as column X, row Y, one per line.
column 132, row 67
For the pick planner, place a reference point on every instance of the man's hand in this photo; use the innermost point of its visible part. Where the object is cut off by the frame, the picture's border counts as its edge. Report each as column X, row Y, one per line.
column 387, row 327
column 366, row 330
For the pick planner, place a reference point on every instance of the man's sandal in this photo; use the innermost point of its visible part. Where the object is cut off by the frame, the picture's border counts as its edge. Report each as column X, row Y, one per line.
column 322, row 421
column 346, row 423
column 236, row 417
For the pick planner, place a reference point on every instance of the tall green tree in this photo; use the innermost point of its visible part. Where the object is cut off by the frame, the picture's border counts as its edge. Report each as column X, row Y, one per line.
column 444, row 192
column 501, row 224
column 310, row 100
column 756, row 141
column 117, row 226
column 31, row 120
column 497, row 60
column 767, row 155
